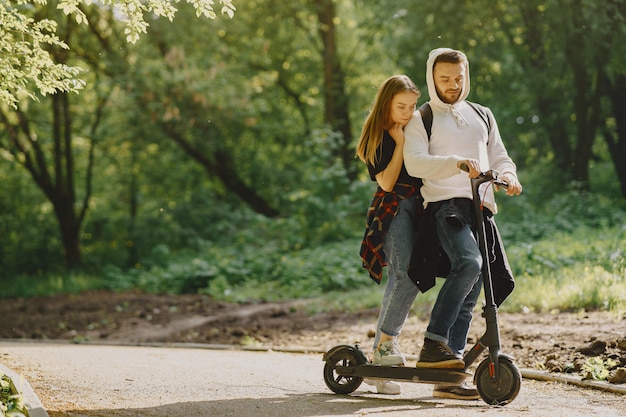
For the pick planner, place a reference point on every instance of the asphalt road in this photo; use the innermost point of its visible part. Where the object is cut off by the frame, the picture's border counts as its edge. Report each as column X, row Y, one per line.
column 90, row 380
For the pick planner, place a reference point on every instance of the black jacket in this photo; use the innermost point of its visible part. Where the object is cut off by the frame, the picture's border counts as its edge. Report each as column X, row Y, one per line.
column 429, row 260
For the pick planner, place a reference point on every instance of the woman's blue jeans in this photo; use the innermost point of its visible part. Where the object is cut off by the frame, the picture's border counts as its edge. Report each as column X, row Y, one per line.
column 452, row 313
column 400, row 291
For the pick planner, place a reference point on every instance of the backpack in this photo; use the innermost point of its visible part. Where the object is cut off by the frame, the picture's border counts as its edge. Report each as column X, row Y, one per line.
column 427, row 115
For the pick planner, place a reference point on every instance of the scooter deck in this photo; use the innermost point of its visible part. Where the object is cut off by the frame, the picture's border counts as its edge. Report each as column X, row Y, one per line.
column 405, row 373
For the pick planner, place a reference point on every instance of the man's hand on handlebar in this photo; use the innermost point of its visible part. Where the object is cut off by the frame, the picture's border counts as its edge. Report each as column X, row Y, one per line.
column 511, row 183
column 471, row 166
column 514, row 187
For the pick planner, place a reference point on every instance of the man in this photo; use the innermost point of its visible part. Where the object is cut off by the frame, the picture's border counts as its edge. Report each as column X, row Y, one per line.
column 461, row 134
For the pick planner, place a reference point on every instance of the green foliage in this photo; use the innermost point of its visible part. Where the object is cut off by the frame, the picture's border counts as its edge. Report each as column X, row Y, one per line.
column 566, row 248
column 547, row 207
column 326, row 206
column 579, row 268
column 11, row 401
column 29, row 232
column 132, row 13
column 29, row 285
column 162, row 218
column 244, row 272
column 24, row 40
column 597, row 369
column 25, row 60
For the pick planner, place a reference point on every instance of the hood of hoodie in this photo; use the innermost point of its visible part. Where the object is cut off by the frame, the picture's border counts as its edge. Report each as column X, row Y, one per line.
column 430, row 81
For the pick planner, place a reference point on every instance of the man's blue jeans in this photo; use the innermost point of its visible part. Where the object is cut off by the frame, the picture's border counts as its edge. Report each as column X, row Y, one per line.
column 400, row 291
column 452, row 313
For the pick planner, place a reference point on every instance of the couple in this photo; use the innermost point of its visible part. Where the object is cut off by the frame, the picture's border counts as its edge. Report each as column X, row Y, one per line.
column 416, row 165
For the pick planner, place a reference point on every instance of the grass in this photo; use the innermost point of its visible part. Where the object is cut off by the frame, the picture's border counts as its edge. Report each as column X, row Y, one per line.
column 584, row 269
column 39, row 285
column 572, row 288
column 581, row 268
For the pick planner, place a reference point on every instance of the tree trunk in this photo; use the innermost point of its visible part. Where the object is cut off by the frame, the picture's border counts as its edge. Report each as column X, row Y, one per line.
column 617, row 142
column 587, row 94
column 62, row 189
column 336, row 112
column 533, row 59
column 55, row 179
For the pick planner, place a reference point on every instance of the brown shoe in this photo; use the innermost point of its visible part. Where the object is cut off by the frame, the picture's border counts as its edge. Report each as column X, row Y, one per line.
column 436, row 354
column 459, row 392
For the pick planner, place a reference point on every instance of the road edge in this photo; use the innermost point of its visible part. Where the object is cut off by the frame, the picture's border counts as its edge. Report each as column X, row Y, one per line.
column 34, row 405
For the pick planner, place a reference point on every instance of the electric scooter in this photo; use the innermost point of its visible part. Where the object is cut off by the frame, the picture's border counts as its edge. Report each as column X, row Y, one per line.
column 497, row 378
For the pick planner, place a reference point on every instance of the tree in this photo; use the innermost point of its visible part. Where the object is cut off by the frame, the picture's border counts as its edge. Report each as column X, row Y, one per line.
column 24, row 57
column 566, row 48
column 48, row 151
column 41, row 136
column 547, row 67
column 190, row 101
column 614, row 131
column 336, row 103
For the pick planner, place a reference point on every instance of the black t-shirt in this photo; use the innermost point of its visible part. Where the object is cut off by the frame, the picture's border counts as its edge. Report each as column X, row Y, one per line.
column 383, row 156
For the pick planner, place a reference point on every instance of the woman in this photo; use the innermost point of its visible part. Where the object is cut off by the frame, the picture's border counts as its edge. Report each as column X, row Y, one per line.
column 392, row 216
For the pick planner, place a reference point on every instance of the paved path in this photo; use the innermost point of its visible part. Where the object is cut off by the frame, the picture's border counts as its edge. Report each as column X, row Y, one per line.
column 89, row 380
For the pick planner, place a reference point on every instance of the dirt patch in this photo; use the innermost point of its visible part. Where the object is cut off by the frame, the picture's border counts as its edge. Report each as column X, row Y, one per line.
column 559, row 342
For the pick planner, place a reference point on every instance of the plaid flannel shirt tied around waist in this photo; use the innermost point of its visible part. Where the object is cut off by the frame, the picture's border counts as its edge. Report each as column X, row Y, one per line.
column 382, row 210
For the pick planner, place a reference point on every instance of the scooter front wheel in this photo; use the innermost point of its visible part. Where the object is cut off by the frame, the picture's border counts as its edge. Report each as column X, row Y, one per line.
column 342, row 384
column 507, row 386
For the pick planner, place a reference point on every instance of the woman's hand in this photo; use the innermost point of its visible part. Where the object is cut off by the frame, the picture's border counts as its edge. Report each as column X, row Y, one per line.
column 387, row 177
column 397, row 133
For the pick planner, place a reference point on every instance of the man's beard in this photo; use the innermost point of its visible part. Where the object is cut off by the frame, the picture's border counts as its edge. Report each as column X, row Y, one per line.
column 447, row 100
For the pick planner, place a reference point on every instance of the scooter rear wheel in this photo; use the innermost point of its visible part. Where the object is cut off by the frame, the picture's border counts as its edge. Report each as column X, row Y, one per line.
column 341, row 384
column 505, row 389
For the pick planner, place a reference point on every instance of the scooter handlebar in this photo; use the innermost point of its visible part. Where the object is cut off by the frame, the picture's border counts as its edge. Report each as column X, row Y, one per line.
column 488, row 176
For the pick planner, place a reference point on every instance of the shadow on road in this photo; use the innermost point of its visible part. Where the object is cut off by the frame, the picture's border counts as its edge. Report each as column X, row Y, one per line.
column 289, row 406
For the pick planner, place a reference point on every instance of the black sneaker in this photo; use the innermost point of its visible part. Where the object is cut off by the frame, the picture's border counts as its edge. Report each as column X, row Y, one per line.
column 459, row 392
column 438, row 355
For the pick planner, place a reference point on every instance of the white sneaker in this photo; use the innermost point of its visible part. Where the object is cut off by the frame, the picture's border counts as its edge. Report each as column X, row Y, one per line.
column 388, row 354
column 384, row 387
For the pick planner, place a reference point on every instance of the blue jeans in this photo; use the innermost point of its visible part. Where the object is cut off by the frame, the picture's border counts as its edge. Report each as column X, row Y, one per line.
column 400, row 291
column 452, row 313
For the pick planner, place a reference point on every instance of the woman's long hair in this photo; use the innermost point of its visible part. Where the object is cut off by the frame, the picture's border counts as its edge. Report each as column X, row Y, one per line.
column 377, row 120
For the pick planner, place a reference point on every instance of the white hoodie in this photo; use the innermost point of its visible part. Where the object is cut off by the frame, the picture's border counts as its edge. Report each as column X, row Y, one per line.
column 457, row 133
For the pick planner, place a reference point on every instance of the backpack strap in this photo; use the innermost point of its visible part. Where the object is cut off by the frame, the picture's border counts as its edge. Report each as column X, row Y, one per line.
column 482, row 112
column 427, row 116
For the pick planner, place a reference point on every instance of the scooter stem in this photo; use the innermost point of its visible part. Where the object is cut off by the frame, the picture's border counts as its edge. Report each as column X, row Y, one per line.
column 491, row 338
